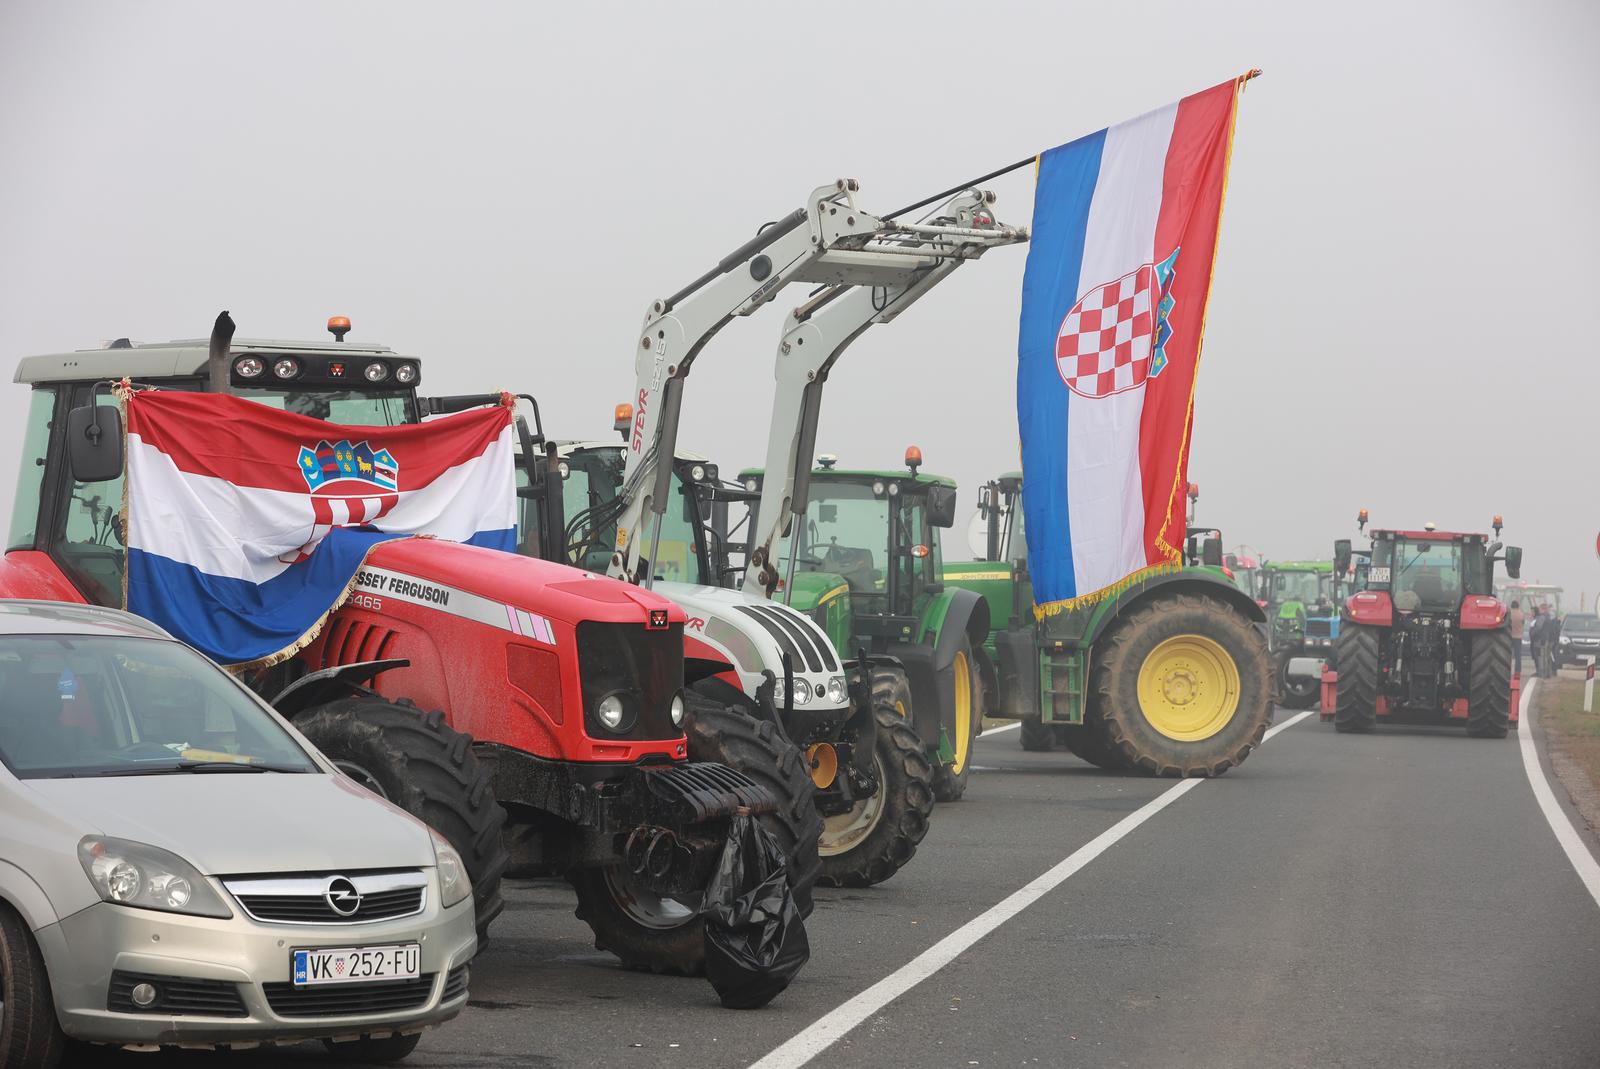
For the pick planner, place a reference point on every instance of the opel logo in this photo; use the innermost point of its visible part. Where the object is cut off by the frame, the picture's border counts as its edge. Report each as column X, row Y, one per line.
column 342, row 897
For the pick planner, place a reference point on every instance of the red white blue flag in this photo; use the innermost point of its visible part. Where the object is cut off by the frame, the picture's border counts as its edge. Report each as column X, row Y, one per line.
column 1113, row 309
column 246, row 524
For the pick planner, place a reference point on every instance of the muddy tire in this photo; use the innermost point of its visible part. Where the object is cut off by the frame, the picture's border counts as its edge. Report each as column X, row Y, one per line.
column 1088, row 742
column 1189, row 649
column 880, row 834
column 729, row 736
column 29, row 1031
column 1293, row 693
column 950, row 781
column 1037, row 736
column 1489, row 684
column 418, row 762
column 1355, row 658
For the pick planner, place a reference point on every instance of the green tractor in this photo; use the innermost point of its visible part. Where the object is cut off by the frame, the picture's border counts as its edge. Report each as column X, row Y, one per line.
column 1168, row 677
column 1300, row 602
column 865, row 564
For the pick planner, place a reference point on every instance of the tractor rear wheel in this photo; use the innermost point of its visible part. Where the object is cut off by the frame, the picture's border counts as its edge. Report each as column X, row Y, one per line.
column 1037, row 736
column 1355, row 657
column 1489, row 684
column 1088, row 741
column 950, row 781
column 418, row 762
column 878, row 835
column 729, row 735
column 1294, row 692
column 1183, row 686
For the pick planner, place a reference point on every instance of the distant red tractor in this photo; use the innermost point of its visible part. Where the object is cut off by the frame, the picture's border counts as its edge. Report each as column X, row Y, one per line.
column 1426, row 641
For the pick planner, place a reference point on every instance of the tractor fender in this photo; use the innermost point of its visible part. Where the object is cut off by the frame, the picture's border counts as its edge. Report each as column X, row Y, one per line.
column 952, row 616
column 1168, row 584
column 330, row 684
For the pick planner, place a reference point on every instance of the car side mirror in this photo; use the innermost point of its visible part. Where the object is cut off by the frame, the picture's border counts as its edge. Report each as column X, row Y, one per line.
column 942, row 506
column 1341, row 556
column 1211, row 552
column 94, row 443
column 1514, row 562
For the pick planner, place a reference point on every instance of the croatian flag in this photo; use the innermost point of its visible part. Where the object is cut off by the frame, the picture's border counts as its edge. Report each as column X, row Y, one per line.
column 1113, row 308
column 246, row 524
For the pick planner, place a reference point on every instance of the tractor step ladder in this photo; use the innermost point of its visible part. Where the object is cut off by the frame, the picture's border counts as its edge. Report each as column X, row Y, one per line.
column 1062, row 675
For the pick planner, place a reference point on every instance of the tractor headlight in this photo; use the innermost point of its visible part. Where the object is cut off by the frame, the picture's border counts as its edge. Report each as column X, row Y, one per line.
column 838, row 693
column 750, row 485
column 376, row 371
column 611, row 712
column 801, row 691
column 249, row 367
column 147, row 877
column 287, row 368
column 453, row 883
column 405, row 374
column 677, row 710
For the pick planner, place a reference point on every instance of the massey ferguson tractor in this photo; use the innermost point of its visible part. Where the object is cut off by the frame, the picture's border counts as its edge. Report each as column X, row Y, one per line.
column 1168, row 677
column 506, row 701
column 1425, row 640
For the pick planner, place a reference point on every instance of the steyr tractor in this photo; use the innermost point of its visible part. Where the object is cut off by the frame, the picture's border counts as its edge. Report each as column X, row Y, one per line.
column 1299, row 597
column 1426, row 640
column 873, row 782
column 1169, row 677
column 499, row 698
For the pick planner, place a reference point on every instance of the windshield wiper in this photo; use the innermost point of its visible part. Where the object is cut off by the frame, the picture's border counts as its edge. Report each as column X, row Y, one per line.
column 191, row 766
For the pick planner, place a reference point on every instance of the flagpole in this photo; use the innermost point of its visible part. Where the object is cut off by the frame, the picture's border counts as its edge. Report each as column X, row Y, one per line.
column 1253, row 72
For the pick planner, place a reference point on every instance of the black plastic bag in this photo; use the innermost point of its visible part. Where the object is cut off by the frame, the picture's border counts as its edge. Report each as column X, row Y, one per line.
column 755, row 940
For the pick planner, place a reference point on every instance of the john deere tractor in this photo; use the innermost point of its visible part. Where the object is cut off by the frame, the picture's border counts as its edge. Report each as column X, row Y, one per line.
column 1299, row 597
column 1169, row 677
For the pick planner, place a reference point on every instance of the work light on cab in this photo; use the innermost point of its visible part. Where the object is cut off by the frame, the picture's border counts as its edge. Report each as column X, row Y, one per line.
column 286, row 368
column 376, row 371
column 249, row 367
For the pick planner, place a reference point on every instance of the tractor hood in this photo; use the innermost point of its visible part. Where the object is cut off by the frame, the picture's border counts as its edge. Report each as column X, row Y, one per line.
column 502, row 589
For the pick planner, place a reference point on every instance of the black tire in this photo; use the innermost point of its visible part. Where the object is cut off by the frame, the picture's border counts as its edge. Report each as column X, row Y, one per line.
column 949, row 782
column 1089, row 742
column 1114, row 682
column 898, row 820
column 729, row 735
column 418, row 762
column 1293, row 694
column 30, row 1034
column 1355, row 658
column 1037, row 736
column 1489, row 684
column 388, row 1049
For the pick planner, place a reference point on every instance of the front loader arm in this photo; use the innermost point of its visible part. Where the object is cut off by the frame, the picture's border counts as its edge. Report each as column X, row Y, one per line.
column 816, row 335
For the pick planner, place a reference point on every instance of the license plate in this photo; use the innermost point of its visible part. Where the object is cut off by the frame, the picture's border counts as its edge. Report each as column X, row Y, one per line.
column 1377, row 575
column 344, row 965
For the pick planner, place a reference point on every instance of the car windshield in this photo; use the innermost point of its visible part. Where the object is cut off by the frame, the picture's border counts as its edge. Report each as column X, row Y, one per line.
column 1587, row 623
column 111, row 706
column 1425, row 576
column 350, row 407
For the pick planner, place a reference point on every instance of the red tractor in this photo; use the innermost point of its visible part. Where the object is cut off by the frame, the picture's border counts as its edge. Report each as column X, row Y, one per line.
column 1426, row 640
column 529, row 711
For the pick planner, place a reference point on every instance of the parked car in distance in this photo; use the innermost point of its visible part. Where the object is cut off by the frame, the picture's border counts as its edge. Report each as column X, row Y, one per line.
column 1580, row 638
column 179, row 867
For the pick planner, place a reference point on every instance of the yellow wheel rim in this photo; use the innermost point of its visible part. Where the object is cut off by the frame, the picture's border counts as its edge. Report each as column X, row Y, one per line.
column 823, row 760
column 963, row 739
column 1189, row 688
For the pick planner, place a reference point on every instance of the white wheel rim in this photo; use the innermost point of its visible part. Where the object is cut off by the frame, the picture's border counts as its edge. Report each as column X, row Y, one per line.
column 846, row 831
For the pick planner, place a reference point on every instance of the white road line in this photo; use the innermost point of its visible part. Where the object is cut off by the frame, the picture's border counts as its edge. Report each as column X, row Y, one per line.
column 1577, row 853
column 833, row 1026
column 1003, row 727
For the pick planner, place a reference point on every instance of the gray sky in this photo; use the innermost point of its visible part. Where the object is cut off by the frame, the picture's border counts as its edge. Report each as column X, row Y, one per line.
column 1398, row 321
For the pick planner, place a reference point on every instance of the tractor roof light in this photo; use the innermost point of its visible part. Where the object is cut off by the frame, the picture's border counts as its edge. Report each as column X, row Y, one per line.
column 338, row 326
column 622, row 417
column 286, row 368
column 913, row 458
column 249, row 367
column 376, row 371
column 919, row 551
column 698, row 473
column 405, row 374
column 1499, row 522
column 1194, row 491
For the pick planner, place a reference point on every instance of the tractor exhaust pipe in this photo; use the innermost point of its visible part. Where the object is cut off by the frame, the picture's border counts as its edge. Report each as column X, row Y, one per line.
column 217, row 357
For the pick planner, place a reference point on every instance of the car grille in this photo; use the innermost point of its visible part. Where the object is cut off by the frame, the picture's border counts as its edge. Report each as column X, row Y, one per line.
column 176, row 996
column 643, row 667
column 348, row 1000
column 306, row 899
column 455, row 985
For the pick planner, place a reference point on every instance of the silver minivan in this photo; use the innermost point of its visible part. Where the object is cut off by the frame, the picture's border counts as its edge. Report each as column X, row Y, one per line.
column 178, row 867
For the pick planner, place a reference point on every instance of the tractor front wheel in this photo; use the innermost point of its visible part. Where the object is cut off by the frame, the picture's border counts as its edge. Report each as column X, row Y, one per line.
column 1183, row 686
column 1355, row 656
column 1037, row 736
column 966, row 717
column 1489, row 684
column 1089, row 742
column 1295, row 692
column 418, row 762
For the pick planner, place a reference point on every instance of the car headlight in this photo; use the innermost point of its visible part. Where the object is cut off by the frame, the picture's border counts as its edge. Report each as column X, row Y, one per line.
column 801, row 691
column 677, row 710
column 454, row 885
column 611, row 712
column 147, row 877
column 1565, row 640
column 837, row 691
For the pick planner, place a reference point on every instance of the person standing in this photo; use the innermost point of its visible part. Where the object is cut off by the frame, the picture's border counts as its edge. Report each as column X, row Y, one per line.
column 1536, row 628
column 1517, row 621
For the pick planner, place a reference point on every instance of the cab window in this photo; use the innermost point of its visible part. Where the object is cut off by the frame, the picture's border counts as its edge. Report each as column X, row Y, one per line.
column 88, row 539
column 30, row 475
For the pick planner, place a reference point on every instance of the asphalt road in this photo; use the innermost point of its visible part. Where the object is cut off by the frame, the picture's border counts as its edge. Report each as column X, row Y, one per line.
column 1395, row 899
